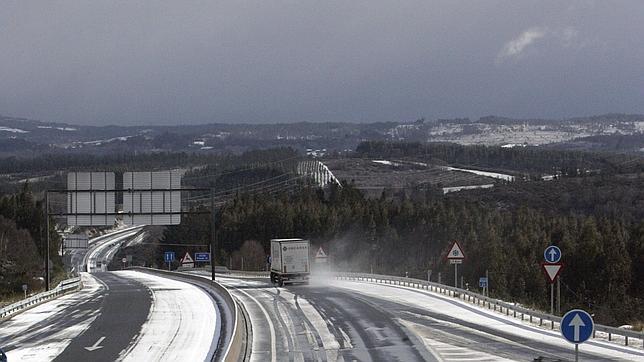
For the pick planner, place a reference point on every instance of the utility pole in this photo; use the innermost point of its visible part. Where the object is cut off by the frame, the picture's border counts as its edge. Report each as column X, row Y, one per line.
column 212, row 234
column 47, row 246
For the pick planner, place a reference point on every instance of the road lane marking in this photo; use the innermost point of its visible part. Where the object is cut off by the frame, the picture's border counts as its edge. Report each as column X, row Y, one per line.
column 96, row 345
column 268, row 319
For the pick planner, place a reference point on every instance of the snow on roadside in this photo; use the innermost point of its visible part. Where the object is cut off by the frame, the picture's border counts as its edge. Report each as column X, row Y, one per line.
column 181, row 325
column 19, row 332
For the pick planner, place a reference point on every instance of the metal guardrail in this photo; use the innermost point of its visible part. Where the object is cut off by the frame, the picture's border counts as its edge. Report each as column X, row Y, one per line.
column 237, row 333
column 64, row 287
column 490, row 303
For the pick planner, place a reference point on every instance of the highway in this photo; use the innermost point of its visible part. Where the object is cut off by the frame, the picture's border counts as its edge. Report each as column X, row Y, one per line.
column 133, row 315
column 333, row 320
column 123, row 315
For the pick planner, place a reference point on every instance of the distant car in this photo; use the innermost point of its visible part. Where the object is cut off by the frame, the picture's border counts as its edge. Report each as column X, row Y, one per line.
column 3, row 357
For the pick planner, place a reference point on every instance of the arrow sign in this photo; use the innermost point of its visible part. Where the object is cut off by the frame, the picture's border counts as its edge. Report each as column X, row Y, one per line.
column 552, row 254
column 576, row 323
column 96, row 345
column 577, row 326
column 552, row 271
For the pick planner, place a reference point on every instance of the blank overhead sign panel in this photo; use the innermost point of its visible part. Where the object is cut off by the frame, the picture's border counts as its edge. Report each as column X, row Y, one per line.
column 75, row 241
column 152, row 198
column 89, row 202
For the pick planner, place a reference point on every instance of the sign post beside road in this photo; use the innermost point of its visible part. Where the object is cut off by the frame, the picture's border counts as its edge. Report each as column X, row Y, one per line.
column 577, row 327
column 169, row 256
column 187, row 261
column 202, row 257
column 552, row 267
column 552, row 254
column 483, row 284
column 455, row 256
column 320, row 256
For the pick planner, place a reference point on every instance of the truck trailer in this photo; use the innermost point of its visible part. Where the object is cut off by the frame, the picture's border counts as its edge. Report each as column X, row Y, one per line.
column 290, row 261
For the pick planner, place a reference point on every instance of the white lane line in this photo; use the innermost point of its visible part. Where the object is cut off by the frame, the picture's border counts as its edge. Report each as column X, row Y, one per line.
column 447, row 352
column 268, row 319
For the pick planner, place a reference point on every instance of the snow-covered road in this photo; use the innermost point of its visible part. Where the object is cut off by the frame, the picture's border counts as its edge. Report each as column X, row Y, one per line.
column 123, row 315
column 333, row 320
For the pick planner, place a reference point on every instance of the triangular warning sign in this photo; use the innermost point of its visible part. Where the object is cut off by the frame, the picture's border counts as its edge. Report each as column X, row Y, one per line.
column 187, row 259
column 552, row 270
column 320, row 253
column 455, row 252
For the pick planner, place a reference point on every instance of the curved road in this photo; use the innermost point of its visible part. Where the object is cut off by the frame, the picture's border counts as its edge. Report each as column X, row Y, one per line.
column 333, row 320
column 125, row 315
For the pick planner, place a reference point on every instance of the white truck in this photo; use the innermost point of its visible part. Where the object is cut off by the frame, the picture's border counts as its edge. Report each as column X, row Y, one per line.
column 290, row 261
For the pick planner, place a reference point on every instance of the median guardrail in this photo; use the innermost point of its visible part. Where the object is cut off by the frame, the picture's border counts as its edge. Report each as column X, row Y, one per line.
column 231, row 349
column 491, row 303
column 66, row 286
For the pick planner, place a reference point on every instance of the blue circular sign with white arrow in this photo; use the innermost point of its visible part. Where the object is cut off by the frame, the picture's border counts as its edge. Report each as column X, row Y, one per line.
column 577, row 326
column 552, row 254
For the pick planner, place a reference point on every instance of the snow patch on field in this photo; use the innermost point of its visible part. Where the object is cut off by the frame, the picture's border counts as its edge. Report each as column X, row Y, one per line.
column 12, row 130
column 499, row 176
column 385, row 162
column 447, row 190
column 67, row 129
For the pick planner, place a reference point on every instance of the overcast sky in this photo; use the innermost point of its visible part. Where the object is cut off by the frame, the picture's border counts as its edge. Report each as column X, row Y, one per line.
column 173, row 62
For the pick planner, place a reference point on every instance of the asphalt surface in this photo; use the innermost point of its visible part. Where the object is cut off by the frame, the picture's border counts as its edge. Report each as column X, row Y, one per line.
column 323, row 322
column 124, row 308
column 361, row 330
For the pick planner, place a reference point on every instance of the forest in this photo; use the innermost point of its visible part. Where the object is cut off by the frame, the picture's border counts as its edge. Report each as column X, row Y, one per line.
column 597, row 219
column 23, row 245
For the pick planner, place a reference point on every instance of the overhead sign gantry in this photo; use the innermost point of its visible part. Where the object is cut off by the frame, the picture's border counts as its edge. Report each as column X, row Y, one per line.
column 148, row 198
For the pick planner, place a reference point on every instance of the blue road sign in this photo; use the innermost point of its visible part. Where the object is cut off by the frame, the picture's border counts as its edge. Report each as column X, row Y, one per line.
column 577, row 326
column 482, row 282
column 202, row 256
column 168, row 256
column 552, row 254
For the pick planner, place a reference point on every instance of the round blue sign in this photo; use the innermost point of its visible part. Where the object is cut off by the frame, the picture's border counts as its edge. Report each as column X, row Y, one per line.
column 552, row 254
column 577, row 326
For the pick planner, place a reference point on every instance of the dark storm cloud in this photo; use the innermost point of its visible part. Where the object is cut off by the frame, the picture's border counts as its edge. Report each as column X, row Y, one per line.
column 283, row 61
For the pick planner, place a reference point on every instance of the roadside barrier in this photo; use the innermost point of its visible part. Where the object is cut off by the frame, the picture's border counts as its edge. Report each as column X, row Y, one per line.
column 491, row 303
column 66, row 286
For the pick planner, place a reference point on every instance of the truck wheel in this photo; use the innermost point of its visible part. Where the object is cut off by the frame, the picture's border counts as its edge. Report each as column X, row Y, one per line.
column 273, row 278
column 280, row 282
